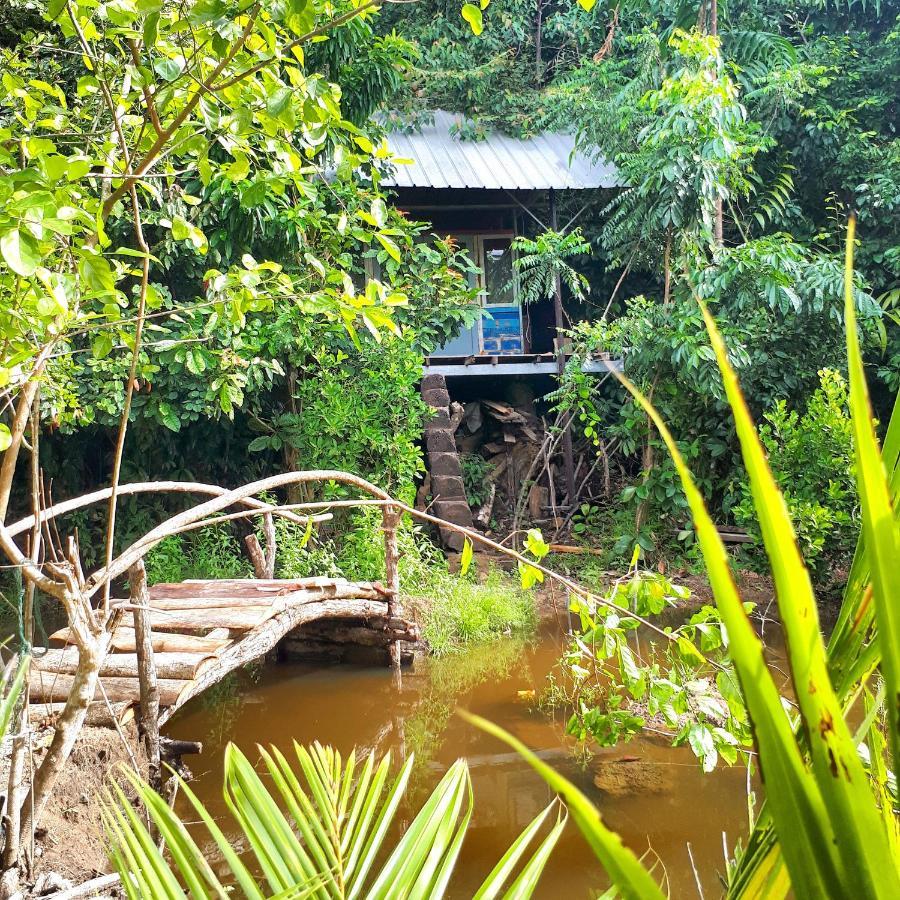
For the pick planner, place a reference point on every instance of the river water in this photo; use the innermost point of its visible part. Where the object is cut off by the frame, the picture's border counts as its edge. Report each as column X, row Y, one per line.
column 654, row 795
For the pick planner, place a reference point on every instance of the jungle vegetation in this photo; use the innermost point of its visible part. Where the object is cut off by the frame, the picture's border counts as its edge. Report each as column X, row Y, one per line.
column 189, row 195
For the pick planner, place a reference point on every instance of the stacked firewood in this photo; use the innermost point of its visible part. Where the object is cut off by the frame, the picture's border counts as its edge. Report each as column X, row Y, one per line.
column 512, row 439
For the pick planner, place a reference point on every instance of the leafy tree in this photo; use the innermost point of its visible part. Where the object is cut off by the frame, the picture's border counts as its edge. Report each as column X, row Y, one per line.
column 122, row 125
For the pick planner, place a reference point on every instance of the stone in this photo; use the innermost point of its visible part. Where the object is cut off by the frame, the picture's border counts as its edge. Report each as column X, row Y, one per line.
column 448, row 487
column 438, row 398
column 444, row 464
column 440, row 420
column 440, row 442
column 434, row 381
column 452, row 540
column 455, row 511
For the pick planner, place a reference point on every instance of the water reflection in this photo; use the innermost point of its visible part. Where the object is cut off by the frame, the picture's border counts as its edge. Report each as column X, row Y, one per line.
column 653, row 794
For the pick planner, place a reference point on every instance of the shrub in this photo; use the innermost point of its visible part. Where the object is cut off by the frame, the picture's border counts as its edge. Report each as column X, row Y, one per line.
column 811, row 456
column 208, row 553
column 475, row 472
column 460, row 610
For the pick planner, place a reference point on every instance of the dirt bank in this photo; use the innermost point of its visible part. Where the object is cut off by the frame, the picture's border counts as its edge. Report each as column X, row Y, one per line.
column 69, row 840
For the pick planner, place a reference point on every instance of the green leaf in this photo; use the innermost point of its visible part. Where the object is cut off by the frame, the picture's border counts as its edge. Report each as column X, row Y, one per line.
column 465, row 559
column 529, row 575
column 20, row 251
column 239, row 169
column 378, row 211
column 102, row 345
column 472, row 14
column 879, row 524
column 151, row 30
column 535, row 544
column 307, row 534
column 392, row 249
column 689, row 652
column 54, row 8
column 167, row 69
column 525, row 884
column 169, row 417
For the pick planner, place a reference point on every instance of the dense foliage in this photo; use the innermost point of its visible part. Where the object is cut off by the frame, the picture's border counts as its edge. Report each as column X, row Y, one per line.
column 782, row 121
column 267, row 342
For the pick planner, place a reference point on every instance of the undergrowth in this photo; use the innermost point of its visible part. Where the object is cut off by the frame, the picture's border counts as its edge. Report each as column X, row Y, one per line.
column 207, row 553
column 453, row 610
column 461, row 610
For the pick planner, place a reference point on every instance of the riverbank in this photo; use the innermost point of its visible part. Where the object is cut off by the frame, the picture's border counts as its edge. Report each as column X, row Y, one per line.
column 69, row 846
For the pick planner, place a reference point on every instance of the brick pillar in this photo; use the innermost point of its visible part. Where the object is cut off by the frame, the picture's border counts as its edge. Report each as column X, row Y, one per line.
column 443, row 463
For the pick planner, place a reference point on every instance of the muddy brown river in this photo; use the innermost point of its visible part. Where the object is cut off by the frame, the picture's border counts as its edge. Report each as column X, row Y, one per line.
column 654, row 795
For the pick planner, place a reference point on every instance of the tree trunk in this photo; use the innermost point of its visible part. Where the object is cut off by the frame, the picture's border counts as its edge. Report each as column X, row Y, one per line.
column 83, row 687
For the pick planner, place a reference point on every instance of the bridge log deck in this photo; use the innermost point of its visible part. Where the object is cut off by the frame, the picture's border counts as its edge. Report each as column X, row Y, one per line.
column 201, row 631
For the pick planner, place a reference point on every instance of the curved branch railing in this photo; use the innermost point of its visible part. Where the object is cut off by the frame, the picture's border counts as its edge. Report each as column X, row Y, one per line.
column 142, row 487
column 197, row 516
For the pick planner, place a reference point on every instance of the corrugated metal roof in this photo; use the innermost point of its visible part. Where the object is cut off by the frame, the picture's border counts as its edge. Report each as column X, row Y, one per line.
column 442, row 160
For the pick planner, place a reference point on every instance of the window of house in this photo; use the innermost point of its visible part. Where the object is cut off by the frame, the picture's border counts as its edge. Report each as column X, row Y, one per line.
column 501, row 325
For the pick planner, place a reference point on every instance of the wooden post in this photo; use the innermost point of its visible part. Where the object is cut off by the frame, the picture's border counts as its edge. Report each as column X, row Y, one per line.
column 271, row 545
column 390, row 521
column 263, row 561
column 149, row 687
column 568, row 455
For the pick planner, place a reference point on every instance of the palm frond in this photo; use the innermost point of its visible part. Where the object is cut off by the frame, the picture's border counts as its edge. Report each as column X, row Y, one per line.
column 320, row 832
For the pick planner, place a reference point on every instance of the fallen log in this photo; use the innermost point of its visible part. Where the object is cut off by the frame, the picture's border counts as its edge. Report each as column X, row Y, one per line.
column 52, row 688
column 242, row 618
column 180, row 666
column 123, row 640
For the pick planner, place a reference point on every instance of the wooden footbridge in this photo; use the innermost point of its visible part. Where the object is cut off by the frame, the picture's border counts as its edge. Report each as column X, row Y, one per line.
column 197, row 632
column 164, row 644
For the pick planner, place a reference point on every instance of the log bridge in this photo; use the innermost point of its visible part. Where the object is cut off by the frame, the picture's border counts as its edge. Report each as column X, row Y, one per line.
column 170, row 642
column 192, row 634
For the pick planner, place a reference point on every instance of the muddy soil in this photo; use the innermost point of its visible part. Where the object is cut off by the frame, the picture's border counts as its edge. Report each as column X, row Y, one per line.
column 69, row 840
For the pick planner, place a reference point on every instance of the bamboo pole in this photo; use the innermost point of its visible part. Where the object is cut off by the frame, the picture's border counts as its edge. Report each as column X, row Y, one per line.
column 149, row 687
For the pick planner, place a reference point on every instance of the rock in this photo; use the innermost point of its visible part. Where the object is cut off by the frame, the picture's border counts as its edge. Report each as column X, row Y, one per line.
column 448, row 487
column 51, row 883
column 452, row 540
column 439, row 442
column 440, row 421
column 430, row 382
column 442, row 465
column 455, row 511
column 632, row 775
column 436, row 397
